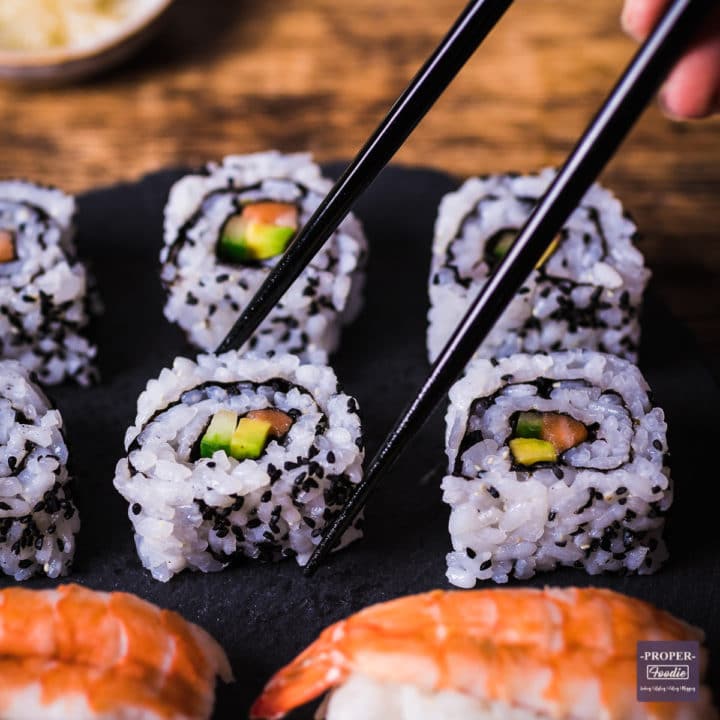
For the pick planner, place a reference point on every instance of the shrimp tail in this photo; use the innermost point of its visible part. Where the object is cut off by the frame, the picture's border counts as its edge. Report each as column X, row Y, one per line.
column 319, row 667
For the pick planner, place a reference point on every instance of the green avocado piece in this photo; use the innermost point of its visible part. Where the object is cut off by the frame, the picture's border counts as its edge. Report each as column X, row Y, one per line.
column 243, row 241
column 501, row 247
column 266, row 241
column 528, row 451
column 249, row 439
column 219, row 433
column 529, row 425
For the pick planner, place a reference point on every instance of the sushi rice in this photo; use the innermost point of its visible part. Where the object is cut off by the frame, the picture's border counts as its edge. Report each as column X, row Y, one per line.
column 599, row 506
column 204, row 512
column 38, row 518
column 587, row 293
column 47, row 297
column 206, row 292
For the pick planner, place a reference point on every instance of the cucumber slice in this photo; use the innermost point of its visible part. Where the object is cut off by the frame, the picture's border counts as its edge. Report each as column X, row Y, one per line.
column 529, row 425
column 503, row 242
column 219, row 433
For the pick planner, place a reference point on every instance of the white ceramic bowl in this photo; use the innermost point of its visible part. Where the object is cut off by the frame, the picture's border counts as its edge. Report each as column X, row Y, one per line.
column 58, row 65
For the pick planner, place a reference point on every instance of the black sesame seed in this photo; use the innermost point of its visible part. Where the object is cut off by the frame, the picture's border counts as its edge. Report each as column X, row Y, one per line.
column 493, row 491
column 331, row 457
column 266, row 496
column 211, row 464
column 254, row 522
column 136, row 508
column 657, row 445
column 26, row 563
column 470, row 553
column 621, row 490
column 4, row 506
column 485, row 565
column 655, row 489
column 309, row 521
column 551, row 516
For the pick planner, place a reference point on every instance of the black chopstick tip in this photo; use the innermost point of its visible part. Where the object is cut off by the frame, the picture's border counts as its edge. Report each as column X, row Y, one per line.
column 313, row 563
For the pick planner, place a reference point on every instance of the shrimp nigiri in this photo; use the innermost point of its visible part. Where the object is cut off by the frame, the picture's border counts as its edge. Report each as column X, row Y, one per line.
column 511, row 654
column 76, row 653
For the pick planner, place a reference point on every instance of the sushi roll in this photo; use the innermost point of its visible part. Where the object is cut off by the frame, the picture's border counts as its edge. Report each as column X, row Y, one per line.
column 586, row 292
column 520, row 654
column 38, row 517
column 73, row 653
column 553, row 460
column 226, row 228
column 46, row 298
column 234, row 456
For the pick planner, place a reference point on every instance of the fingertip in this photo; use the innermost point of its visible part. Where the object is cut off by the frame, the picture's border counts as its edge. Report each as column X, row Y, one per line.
column 638, row 17
column 628, row 20
column 678, row 105
column 692, row 88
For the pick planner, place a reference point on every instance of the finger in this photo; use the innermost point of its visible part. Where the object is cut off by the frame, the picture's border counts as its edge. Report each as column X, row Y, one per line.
column 639, row 17
column 693, row 88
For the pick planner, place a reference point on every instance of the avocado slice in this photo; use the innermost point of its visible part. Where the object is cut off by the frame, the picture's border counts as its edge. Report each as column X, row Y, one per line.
column 219, row 433
column 266, row 241
column 243, row 241
column 551, row 248
column 502, row 241
column 529, row 451
column 529, row 425
column 249, row 439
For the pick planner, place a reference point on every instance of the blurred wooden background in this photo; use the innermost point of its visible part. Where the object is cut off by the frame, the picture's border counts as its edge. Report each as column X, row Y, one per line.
column 243, row 75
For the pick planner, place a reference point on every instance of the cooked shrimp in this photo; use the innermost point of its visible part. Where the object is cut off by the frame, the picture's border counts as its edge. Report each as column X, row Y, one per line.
column 561, row 654
column 73, row 652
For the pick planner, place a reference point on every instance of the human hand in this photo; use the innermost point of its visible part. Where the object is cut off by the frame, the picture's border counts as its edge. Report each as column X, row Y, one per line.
column 692, row 90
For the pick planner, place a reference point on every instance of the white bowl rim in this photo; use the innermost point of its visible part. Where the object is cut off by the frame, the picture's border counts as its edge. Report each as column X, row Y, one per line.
column 67, row 54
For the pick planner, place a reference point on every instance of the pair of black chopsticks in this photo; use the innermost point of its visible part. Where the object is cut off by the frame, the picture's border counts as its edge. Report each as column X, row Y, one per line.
column 605, row 133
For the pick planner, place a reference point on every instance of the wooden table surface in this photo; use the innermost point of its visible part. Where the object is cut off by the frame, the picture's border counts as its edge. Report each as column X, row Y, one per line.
column 226, row 76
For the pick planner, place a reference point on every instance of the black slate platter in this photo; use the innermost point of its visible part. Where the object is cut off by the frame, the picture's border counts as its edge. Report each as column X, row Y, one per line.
column 265, row 614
